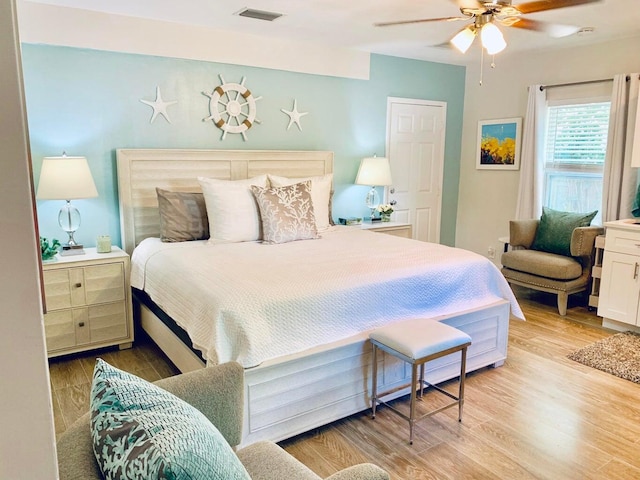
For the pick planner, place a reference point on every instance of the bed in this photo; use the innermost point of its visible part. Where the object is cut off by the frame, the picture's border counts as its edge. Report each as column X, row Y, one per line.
column 300, row 325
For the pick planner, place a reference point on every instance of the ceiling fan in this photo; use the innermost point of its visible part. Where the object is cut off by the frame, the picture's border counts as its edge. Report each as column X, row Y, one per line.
column 485, row 14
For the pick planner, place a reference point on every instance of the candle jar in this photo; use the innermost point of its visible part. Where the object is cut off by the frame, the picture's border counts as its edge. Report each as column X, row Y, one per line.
column 103, row 243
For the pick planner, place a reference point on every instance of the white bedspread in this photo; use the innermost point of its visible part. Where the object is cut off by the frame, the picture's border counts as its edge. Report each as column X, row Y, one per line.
column 251, row 302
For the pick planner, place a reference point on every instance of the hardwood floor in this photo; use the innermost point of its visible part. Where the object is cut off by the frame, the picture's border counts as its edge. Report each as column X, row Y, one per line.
column 539, row 416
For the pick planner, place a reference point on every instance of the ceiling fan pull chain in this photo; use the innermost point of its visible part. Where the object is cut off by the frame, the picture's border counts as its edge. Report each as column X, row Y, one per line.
column 493, row 61
column 481, row 63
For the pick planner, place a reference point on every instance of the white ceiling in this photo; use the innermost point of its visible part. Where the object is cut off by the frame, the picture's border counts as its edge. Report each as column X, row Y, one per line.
column 349, row 23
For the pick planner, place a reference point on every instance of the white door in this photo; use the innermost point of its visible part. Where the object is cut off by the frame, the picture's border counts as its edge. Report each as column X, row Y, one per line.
column 415, row 149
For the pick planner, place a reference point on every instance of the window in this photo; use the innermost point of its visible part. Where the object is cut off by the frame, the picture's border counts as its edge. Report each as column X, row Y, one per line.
column 576, row 144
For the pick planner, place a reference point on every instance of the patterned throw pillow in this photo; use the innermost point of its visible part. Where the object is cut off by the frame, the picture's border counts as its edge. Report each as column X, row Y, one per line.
column 321, row 194
column 183, row 216
column 555, row 230
column 286, row 212
column 141, row 431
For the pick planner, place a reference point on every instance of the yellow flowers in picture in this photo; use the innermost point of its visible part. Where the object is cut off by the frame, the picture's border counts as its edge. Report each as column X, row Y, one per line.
column 499, row 144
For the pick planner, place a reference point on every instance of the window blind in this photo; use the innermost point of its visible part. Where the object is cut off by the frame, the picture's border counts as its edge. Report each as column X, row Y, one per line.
column 577, row 134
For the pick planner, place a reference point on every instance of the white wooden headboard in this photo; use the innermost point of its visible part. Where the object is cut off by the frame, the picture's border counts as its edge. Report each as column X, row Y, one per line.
column 140, row 171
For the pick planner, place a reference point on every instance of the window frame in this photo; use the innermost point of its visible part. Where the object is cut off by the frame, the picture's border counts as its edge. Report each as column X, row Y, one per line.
column 587, row 169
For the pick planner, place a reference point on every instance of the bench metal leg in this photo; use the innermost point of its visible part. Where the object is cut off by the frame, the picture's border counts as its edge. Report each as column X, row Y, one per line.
column 374, row 386
column 463, row 374
column 412, row 407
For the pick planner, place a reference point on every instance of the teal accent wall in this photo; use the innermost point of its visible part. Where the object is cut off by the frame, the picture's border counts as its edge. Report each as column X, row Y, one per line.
column 87, row 102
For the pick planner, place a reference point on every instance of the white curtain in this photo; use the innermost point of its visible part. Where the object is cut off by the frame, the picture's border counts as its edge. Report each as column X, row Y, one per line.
column 620, row 179
column 529, row 204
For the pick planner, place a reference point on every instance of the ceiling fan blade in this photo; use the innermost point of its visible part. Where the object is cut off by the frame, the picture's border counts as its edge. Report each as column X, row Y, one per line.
column 423, row 20
column 553, row 29
column 443, row 45
column 542, row 5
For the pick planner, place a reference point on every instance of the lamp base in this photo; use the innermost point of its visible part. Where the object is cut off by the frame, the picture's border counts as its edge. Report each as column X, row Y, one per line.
column 68, row 250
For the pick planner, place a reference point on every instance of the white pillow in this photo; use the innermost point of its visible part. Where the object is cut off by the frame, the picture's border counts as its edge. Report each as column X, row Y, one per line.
column 320, row 195
column 232, row 209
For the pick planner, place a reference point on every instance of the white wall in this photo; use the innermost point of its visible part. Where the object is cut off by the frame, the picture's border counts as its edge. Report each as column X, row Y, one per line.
column 27, row 448
column 487, row 198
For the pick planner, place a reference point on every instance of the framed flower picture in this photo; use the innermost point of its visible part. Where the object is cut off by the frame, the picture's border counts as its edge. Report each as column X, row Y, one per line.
column 499, row 144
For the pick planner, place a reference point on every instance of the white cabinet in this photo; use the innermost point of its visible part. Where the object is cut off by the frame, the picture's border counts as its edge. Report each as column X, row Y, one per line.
column 620, row 282
column 88, row 302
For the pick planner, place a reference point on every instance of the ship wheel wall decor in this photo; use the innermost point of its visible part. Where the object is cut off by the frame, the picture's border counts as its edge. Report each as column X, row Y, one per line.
column 232, row 108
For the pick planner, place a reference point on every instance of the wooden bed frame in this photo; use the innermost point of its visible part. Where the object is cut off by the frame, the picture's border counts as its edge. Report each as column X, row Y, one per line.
column 295, row 393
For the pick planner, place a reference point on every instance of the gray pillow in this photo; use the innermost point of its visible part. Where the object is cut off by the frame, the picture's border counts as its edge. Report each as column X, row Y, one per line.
column 183, row 216
column 142, row 431
column 286, row 212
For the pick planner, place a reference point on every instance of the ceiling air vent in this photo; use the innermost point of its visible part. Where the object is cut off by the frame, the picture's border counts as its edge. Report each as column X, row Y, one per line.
column 259, row 14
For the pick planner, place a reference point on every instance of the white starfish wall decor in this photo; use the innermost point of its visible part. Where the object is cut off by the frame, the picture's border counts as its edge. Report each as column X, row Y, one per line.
column 159, row 106
column 294, row 115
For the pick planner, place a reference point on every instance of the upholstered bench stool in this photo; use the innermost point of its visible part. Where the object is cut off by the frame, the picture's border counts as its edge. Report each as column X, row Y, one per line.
column 417, row 342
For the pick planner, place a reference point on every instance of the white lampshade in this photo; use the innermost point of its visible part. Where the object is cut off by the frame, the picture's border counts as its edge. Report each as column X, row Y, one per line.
column 492, row 39
column 374, row 171
column 65, row 178
column 464, row 38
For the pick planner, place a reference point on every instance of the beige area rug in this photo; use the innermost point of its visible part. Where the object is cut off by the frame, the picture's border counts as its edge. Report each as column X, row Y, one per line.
column 618, row 355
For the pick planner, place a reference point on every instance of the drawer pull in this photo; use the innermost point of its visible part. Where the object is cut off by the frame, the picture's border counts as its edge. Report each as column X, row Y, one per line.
column 78, row 285
column 81, row 324
column 635, row 271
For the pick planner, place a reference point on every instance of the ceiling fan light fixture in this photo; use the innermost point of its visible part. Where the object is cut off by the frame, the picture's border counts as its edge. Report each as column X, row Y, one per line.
column 492, row 39
column 464, row 38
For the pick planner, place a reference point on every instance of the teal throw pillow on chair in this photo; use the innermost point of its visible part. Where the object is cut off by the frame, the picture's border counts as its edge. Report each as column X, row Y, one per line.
column 142, row 431
column 555, row 230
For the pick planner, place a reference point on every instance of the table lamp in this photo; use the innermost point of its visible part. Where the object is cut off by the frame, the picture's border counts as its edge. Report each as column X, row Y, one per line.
column 375, row 172
column 67, row 178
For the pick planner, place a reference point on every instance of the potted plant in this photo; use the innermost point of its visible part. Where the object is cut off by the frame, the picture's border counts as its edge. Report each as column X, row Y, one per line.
column 48, row 250
column 385, row 212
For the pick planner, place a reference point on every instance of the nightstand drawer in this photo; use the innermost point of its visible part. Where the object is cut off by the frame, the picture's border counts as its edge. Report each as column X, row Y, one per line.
column 57, row 288
column 104, row 283
column 389, row 228
column 60, row 330
column 108, row 321
column 397, row 232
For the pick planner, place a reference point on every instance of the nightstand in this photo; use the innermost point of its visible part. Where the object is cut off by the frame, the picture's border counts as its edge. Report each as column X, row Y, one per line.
column 88, row 302
column 390, row 228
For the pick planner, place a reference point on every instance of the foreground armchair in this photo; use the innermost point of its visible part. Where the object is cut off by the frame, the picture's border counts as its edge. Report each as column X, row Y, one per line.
column 545, row 271
column 217, row 392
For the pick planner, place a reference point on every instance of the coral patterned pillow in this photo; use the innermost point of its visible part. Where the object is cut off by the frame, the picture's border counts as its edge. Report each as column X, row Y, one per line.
column 286, row 212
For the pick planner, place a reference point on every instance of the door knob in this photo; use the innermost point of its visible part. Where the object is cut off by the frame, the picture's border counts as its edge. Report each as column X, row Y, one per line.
column 393, row 202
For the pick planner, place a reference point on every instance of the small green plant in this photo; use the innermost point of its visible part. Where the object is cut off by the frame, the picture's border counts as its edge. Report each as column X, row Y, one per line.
column 47, row 249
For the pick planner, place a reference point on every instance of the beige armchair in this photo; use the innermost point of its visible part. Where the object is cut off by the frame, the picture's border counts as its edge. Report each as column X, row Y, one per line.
column 549, row 272
column 218, row 393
